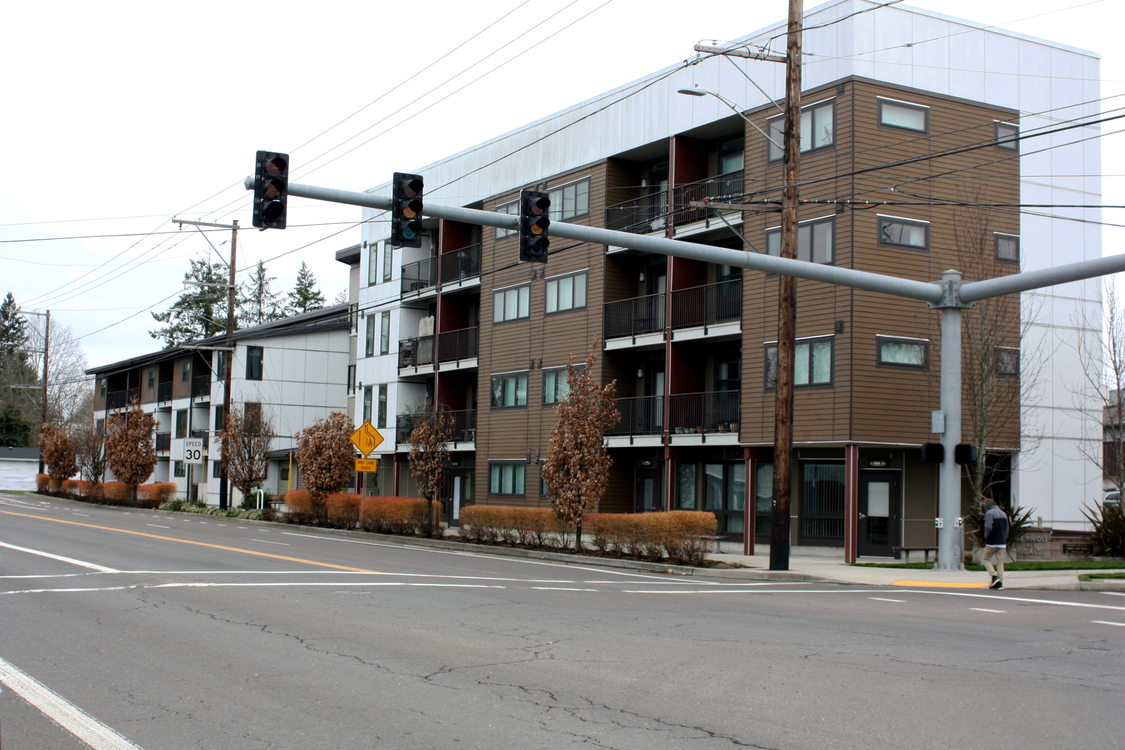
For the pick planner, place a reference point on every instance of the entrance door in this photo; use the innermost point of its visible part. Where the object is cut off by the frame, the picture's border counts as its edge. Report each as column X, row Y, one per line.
column 649, row 498
column 880, row 512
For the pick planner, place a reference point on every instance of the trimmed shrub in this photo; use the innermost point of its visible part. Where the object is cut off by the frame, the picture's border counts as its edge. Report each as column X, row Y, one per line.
column 155, row 494
column 343, row 509
column 394, row 515
column 42, row 482
column 70, row 487
column 298, row 502
column 114, row 493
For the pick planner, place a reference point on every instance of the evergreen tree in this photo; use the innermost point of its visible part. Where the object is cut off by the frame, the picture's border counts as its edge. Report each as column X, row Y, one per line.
column 199, row 312
column 14, row 429
column 19, row 381
column 257, row 302
column 13, row 327
column 305, row 296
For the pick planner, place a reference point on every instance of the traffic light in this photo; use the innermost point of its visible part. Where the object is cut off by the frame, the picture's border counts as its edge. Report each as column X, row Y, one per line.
column 406, row 210
column 533, row 226
column 271, row 189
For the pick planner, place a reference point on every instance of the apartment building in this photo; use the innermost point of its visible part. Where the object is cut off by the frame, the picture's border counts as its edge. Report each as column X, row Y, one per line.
column 291, row 371
column 913, row 147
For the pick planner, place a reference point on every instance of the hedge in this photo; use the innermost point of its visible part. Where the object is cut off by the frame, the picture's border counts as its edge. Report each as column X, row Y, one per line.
column 679, row 535
column 397, row 515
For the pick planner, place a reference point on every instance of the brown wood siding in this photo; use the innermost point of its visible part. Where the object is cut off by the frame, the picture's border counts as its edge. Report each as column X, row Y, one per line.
column 181, row 388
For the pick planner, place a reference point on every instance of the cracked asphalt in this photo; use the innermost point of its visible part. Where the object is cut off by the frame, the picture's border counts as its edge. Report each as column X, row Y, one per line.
column 185, row 632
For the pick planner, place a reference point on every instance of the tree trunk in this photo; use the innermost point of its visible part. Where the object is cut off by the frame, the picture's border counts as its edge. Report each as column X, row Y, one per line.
column 578, row 536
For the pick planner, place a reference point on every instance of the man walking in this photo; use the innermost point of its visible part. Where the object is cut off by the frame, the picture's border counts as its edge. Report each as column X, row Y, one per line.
column 995, row 538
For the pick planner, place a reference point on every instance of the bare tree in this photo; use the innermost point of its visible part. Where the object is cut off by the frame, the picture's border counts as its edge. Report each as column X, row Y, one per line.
column 429, row 454
column 89, row 450
column 1104, row 369
column 326, row 456
column 57, row 452
column 129, row 448
column 246, row 440
column 578, row 463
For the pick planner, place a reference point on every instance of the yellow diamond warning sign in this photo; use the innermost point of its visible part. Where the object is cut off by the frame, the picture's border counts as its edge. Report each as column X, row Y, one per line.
column 366, row 438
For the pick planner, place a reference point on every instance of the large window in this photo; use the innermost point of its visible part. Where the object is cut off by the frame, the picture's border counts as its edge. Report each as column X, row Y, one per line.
column 372, row 263
column 900, row 232
column 719, row 488
column 567, row 202
column 388, row 260
column 185, row 371
column 1007, row 247
column 512, row 209
column 367, row 403
column 181, row 423
column 511, row 304
column 566, row 292
column 254, row 362
column 506, row 478
column 369, row 336
column 1007, row 359
column 904, row 115
column 817, row 129
column 815, row 240
column 555, row 385
column 1007, row 136
column 509, row 390
column 812, row 362
column 902, row 352
column 822, row 501
column 381, row 407
column 385, row 332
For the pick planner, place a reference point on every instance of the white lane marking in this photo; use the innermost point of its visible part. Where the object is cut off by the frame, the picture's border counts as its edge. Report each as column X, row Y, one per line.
column 335, row 584
column 65, row 591
column 267, row 541
column 993, row 611
column 157, row 526
column 61, row 558
column 459, row 553
column 76, row 513
column 205, row 522
column 1114, row 593
column 885, row 599
column 67, row 715
column 1108, row 622
column 559, row 588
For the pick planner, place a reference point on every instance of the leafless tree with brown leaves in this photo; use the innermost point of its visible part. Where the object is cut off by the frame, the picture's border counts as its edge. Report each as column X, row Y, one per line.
column 245, row 442
column 129, row 448
column 429, row 453
column 89, row 451
column 1103, row 364
column 578, row 463
column 326, row 456
column 57, row 452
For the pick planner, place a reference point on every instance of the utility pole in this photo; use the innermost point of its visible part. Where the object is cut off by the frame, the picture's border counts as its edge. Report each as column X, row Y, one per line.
column 787, row 300
column 233, row 227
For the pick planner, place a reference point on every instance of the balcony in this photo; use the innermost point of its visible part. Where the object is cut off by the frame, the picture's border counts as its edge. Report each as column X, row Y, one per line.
column 639, row 215
column 164, row 392
column 458, row 345
column 725, row 188
column 707, row 305
column 163, row 442
column 460, row 265
column 464, row 426
column 121, row 399
column 641, row 415
column 419, row 275
column 203, row 434
column 703, row 413
column 634, row 317
column 201, row 387
column 416, row 352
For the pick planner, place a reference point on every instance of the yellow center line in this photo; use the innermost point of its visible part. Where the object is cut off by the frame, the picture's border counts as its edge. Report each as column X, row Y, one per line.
column 239, row 550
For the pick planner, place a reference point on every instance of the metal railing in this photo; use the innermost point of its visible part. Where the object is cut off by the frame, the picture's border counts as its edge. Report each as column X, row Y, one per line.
column 163, row 442
column 710, row 411
column 630, row 317
column 415, row 352
column 639, row 215
column 419, row 275
column 707, row 304
column 725, row 188
column 202, row 434
column 200, row 386
column 121, row 399
column 464, row 425
column 164, row 391
column 453, row 346
column 460, row 264
column 640, row 415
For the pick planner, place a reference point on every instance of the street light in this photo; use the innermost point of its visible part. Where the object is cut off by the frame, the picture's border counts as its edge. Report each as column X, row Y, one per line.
column 708, row 92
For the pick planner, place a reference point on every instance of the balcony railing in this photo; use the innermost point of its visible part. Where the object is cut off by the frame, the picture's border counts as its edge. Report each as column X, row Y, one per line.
column 416, row 352
column 419, row 275
column 121, row 399
column 464, row 425
column 631, row 317
column 456, row 345
column 641, row 415
column 163, row 442
column 726, row 188
column 640, row 215
column 202, row 434
column 201, row 386
column 708, row 304
column 164, row 391
column 711, row 411
column 460, row 264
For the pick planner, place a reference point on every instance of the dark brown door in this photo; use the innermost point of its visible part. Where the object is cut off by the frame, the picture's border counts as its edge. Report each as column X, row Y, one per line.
column 880, row 512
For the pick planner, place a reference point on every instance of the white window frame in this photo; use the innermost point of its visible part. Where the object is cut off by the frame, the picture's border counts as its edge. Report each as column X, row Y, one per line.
column 1015, row 238
column 556, row 391
column 922, row 344
column 515, row 484
column 558, row 298
column 515, row 377
column 886, row 104
column 807, row 229
column 501, row 298
column 920, row 223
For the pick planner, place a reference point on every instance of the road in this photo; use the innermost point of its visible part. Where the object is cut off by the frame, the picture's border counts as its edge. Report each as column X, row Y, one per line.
column 131, row 629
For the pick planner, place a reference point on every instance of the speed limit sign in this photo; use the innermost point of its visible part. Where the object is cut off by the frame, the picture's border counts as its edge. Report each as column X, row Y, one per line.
column 193, row 450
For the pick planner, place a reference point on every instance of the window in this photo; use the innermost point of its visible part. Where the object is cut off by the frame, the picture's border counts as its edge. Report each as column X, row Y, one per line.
column 815, row 240
column 381, row 404
column 904, row 115
column 385, row 332
column 220, row 418
column 181, row 423
column 252, row 413
column 512, row 209
column 904, row 232
column 509, row 390
column 351, row 379
column 369, row 338
column 1007, row 247
column 151, row 372
column 372, row 263
column 902, row 352
column 185, row 371
column 511, row 304
column 220, row 364
column 566, row 293
column 555, row 385
column 812, row 362
column 179, row 469
column 1007, row 136
column 570, row 200
column 506, row 478
column 388, row 260
column 253, row 363
column 817, row 129
column 1007, row 360
column 731, row 157
column 217, row 469
column 367, row 403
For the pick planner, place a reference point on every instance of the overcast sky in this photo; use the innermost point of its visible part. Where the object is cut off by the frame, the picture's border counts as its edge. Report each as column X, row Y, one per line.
column 117, row 116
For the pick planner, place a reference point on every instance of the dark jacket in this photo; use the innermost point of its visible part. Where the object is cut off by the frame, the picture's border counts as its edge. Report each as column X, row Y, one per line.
column 995, row 526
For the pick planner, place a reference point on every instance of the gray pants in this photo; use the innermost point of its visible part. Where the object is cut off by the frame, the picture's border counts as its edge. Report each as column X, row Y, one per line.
column 998, row 554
